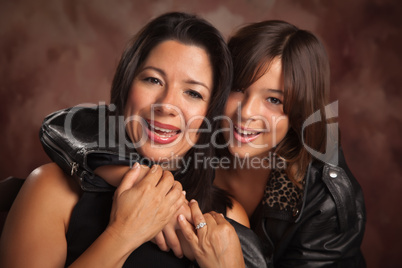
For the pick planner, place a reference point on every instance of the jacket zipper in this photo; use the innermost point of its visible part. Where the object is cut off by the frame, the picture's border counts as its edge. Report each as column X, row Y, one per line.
column 67, row 159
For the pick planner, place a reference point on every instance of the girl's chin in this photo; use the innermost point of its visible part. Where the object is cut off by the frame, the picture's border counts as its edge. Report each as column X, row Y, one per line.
column 242, row 152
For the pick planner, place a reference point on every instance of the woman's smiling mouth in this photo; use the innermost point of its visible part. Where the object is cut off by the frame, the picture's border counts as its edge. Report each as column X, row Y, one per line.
column 162, row 133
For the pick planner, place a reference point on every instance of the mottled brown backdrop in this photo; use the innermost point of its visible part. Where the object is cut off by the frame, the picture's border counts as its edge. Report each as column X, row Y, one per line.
column 59, row 53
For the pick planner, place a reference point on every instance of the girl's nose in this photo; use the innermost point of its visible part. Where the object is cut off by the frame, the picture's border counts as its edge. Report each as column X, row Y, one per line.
column 248, row 108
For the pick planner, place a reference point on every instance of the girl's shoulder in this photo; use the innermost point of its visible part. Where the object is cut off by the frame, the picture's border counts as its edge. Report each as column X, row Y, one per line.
column 238, row 213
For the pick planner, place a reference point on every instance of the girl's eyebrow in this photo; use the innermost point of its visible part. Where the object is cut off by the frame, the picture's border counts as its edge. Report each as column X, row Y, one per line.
column 278, row 91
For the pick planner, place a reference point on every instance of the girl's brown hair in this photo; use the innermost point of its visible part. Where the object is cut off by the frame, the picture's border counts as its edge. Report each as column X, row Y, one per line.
column 306, row 73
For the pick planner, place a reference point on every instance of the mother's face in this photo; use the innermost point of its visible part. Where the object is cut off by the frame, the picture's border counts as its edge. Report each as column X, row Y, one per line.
column 168, row 100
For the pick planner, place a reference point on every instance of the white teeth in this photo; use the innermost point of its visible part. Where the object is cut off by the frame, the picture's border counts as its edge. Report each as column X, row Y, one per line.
column 166, row 132
column 163, row 129
column 244, row 132
column 167, row 135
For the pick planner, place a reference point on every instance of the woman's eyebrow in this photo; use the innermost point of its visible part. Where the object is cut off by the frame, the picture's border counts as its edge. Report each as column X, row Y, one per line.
column 155, row 69
column 195, row 82
column 188, row 81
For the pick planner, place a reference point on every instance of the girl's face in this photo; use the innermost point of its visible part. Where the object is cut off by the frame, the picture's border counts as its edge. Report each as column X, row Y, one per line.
column 168, row 100
column 258, row 122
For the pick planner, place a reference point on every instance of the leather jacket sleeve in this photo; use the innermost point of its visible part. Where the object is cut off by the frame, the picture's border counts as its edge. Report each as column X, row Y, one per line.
column 253, row 251
column 327, row 229
column 72, row 137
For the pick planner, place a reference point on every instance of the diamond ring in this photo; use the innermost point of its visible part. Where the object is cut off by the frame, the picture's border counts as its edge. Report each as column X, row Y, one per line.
column 200, row 225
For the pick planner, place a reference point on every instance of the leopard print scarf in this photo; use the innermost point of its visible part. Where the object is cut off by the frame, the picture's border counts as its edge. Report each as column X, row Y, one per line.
column 280, row 192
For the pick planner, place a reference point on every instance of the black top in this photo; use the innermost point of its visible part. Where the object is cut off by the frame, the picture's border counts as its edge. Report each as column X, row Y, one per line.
column 90, row 218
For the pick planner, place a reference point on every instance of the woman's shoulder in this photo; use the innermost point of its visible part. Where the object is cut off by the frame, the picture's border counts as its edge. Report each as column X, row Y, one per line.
column 50, row 188
column 39, row 216
column 51, row 179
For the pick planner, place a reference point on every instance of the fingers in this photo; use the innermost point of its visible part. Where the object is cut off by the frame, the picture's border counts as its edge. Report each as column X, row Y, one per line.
column 174, row 193
column 219, row 218
column 165, row 190
column 129, row 179
column 159, row 184
column 175, row 197
column 160, row 241
column 154, row 175
column 198, row 218
column 167, row 239
column 162, row 180
column 173, row 241
column 167, row 183
column 186, row 211
column 188, row 231
column 143, row 171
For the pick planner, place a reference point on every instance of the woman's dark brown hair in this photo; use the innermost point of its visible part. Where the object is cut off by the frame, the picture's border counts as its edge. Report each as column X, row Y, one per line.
column 305, row 69
column 189, row 30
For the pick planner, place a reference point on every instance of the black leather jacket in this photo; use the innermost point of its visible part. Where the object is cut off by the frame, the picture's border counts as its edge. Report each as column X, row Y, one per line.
column 325, row 229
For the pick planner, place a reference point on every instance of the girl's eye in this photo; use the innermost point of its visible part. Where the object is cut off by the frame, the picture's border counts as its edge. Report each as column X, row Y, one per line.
column 274, row 100
column 153, row 80
column 194, row 94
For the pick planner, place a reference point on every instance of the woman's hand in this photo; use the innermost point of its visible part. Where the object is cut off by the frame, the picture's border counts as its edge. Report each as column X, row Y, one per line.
column 169, row 238
column 214, row 242
column 142, row 208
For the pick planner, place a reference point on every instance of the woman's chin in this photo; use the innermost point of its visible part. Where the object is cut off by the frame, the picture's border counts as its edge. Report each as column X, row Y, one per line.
column 159, row 155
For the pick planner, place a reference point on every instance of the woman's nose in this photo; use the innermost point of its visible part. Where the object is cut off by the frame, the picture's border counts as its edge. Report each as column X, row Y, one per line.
column 168, row 103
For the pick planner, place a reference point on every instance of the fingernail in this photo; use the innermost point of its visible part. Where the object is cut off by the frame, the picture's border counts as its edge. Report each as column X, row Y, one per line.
column 181, row 217
column 184, row 193
column 154, row 168
column 193, row 201
column 136, row 165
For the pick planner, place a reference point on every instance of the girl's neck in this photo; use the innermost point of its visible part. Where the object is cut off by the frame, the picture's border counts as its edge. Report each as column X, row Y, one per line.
column 244, row 183
column 247, row 175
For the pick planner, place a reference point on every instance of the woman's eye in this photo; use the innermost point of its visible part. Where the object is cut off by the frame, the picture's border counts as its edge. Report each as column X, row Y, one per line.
column 153, row 80
column 237, row 90
column 194, row 94
column 274, row 100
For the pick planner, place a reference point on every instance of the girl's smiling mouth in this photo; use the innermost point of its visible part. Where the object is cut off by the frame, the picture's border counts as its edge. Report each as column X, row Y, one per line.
column 245, row 135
